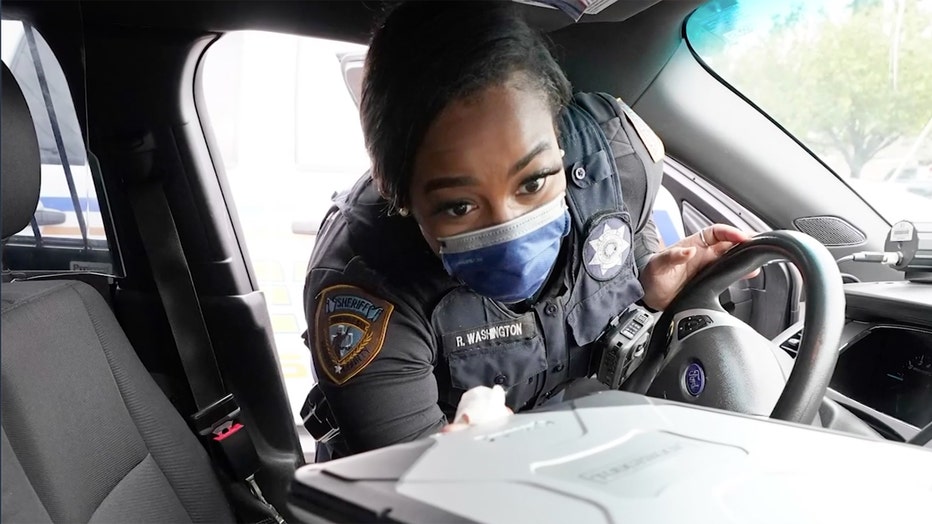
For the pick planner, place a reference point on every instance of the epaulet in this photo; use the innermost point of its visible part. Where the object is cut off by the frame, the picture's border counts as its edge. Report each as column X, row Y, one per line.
column 601, row 106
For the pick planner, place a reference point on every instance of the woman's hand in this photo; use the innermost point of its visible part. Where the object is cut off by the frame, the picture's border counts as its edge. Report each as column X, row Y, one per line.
column 478, row 406
column 670, row 270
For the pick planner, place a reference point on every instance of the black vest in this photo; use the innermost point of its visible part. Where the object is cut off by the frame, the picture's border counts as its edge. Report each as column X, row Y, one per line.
column 611, row 184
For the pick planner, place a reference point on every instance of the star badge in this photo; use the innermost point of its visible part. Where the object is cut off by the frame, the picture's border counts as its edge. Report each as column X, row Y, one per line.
column 607, row 248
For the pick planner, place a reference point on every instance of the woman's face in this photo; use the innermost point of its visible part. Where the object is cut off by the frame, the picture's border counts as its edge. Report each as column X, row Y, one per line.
column 485, row 160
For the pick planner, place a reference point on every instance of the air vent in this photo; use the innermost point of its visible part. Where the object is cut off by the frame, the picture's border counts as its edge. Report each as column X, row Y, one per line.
column 791, row 345
column 831, row 231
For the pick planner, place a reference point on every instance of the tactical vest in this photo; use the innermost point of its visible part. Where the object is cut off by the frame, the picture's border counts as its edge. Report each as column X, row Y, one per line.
column 534, row 353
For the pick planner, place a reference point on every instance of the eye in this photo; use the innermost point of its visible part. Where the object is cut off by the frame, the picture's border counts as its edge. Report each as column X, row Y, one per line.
column 532, row 185
column 458, row 209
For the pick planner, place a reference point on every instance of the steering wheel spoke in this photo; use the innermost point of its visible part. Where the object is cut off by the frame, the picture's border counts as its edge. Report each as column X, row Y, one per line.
column 715, row 360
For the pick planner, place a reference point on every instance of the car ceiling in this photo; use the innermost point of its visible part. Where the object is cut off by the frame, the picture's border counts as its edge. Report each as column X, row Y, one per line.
column 347, row 20
column 641, row 34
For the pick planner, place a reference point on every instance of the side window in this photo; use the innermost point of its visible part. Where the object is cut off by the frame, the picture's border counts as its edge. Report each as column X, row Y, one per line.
column 67, row 231
column 287, row 130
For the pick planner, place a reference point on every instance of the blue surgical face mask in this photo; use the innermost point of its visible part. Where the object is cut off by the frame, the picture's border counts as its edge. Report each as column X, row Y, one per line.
column 509, row 262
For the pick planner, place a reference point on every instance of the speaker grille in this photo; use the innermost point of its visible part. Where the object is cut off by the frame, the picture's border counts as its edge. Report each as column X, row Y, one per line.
column 831, row 231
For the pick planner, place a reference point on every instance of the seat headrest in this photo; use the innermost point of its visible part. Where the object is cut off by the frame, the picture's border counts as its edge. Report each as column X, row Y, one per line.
column 20, row 167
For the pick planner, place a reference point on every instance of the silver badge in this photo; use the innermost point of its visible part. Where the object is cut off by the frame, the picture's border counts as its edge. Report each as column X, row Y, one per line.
column 607, row 248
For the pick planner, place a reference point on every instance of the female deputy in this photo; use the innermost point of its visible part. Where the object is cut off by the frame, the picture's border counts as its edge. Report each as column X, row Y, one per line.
column 504, row 224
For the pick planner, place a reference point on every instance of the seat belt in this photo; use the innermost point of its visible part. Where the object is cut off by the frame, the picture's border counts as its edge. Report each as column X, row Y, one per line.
column 217, row 420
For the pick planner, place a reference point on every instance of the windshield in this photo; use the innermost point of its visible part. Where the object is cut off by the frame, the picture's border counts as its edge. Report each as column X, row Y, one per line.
column 850, row 79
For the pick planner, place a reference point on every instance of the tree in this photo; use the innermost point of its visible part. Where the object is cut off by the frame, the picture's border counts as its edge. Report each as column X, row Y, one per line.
column 828, row 79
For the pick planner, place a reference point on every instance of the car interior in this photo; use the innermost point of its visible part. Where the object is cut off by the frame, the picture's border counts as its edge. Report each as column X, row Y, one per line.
column 100, row 338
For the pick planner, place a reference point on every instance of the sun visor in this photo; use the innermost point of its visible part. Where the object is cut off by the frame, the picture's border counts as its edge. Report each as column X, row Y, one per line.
column 575, row 9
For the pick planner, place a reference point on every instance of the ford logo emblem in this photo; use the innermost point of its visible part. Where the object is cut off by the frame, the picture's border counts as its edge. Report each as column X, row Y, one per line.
column 695, row 379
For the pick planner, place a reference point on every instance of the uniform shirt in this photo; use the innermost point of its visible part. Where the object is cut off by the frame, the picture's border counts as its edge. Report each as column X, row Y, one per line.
column 395, row 340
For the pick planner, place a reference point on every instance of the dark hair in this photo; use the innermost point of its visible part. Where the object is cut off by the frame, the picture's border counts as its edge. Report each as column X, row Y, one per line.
column 427, row 54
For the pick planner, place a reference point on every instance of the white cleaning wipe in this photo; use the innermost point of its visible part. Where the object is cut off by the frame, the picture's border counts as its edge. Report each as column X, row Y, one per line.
column 481, row 404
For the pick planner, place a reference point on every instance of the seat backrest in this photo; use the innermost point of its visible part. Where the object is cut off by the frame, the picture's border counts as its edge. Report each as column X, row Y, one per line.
column 668, row 218
column 87, row 435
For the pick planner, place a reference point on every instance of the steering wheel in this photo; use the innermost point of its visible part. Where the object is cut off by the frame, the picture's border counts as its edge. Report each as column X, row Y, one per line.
column 700, row 354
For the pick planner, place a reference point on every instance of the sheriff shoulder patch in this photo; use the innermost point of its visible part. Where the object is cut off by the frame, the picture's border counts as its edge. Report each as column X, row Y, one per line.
column 349, row 330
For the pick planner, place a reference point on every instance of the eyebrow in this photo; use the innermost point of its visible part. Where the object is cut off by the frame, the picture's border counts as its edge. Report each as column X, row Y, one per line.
column 465, row 180
column 449, row 181
column 526, row 159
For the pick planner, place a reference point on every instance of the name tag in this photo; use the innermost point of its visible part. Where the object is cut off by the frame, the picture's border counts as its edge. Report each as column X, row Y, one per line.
column 492, row 334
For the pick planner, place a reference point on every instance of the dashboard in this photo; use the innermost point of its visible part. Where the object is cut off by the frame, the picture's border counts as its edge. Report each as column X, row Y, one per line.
column 889, row 368
column 884, row 370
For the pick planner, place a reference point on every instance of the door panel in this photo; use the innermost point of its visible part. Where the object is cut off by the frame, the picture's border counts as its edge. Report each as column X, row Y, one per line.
column 767, row 302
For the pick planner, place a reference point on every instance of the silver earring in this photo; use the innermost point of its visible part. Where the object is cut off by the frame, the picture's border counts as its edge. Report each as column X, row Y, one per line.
column 403, row 211
column 562, row 153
